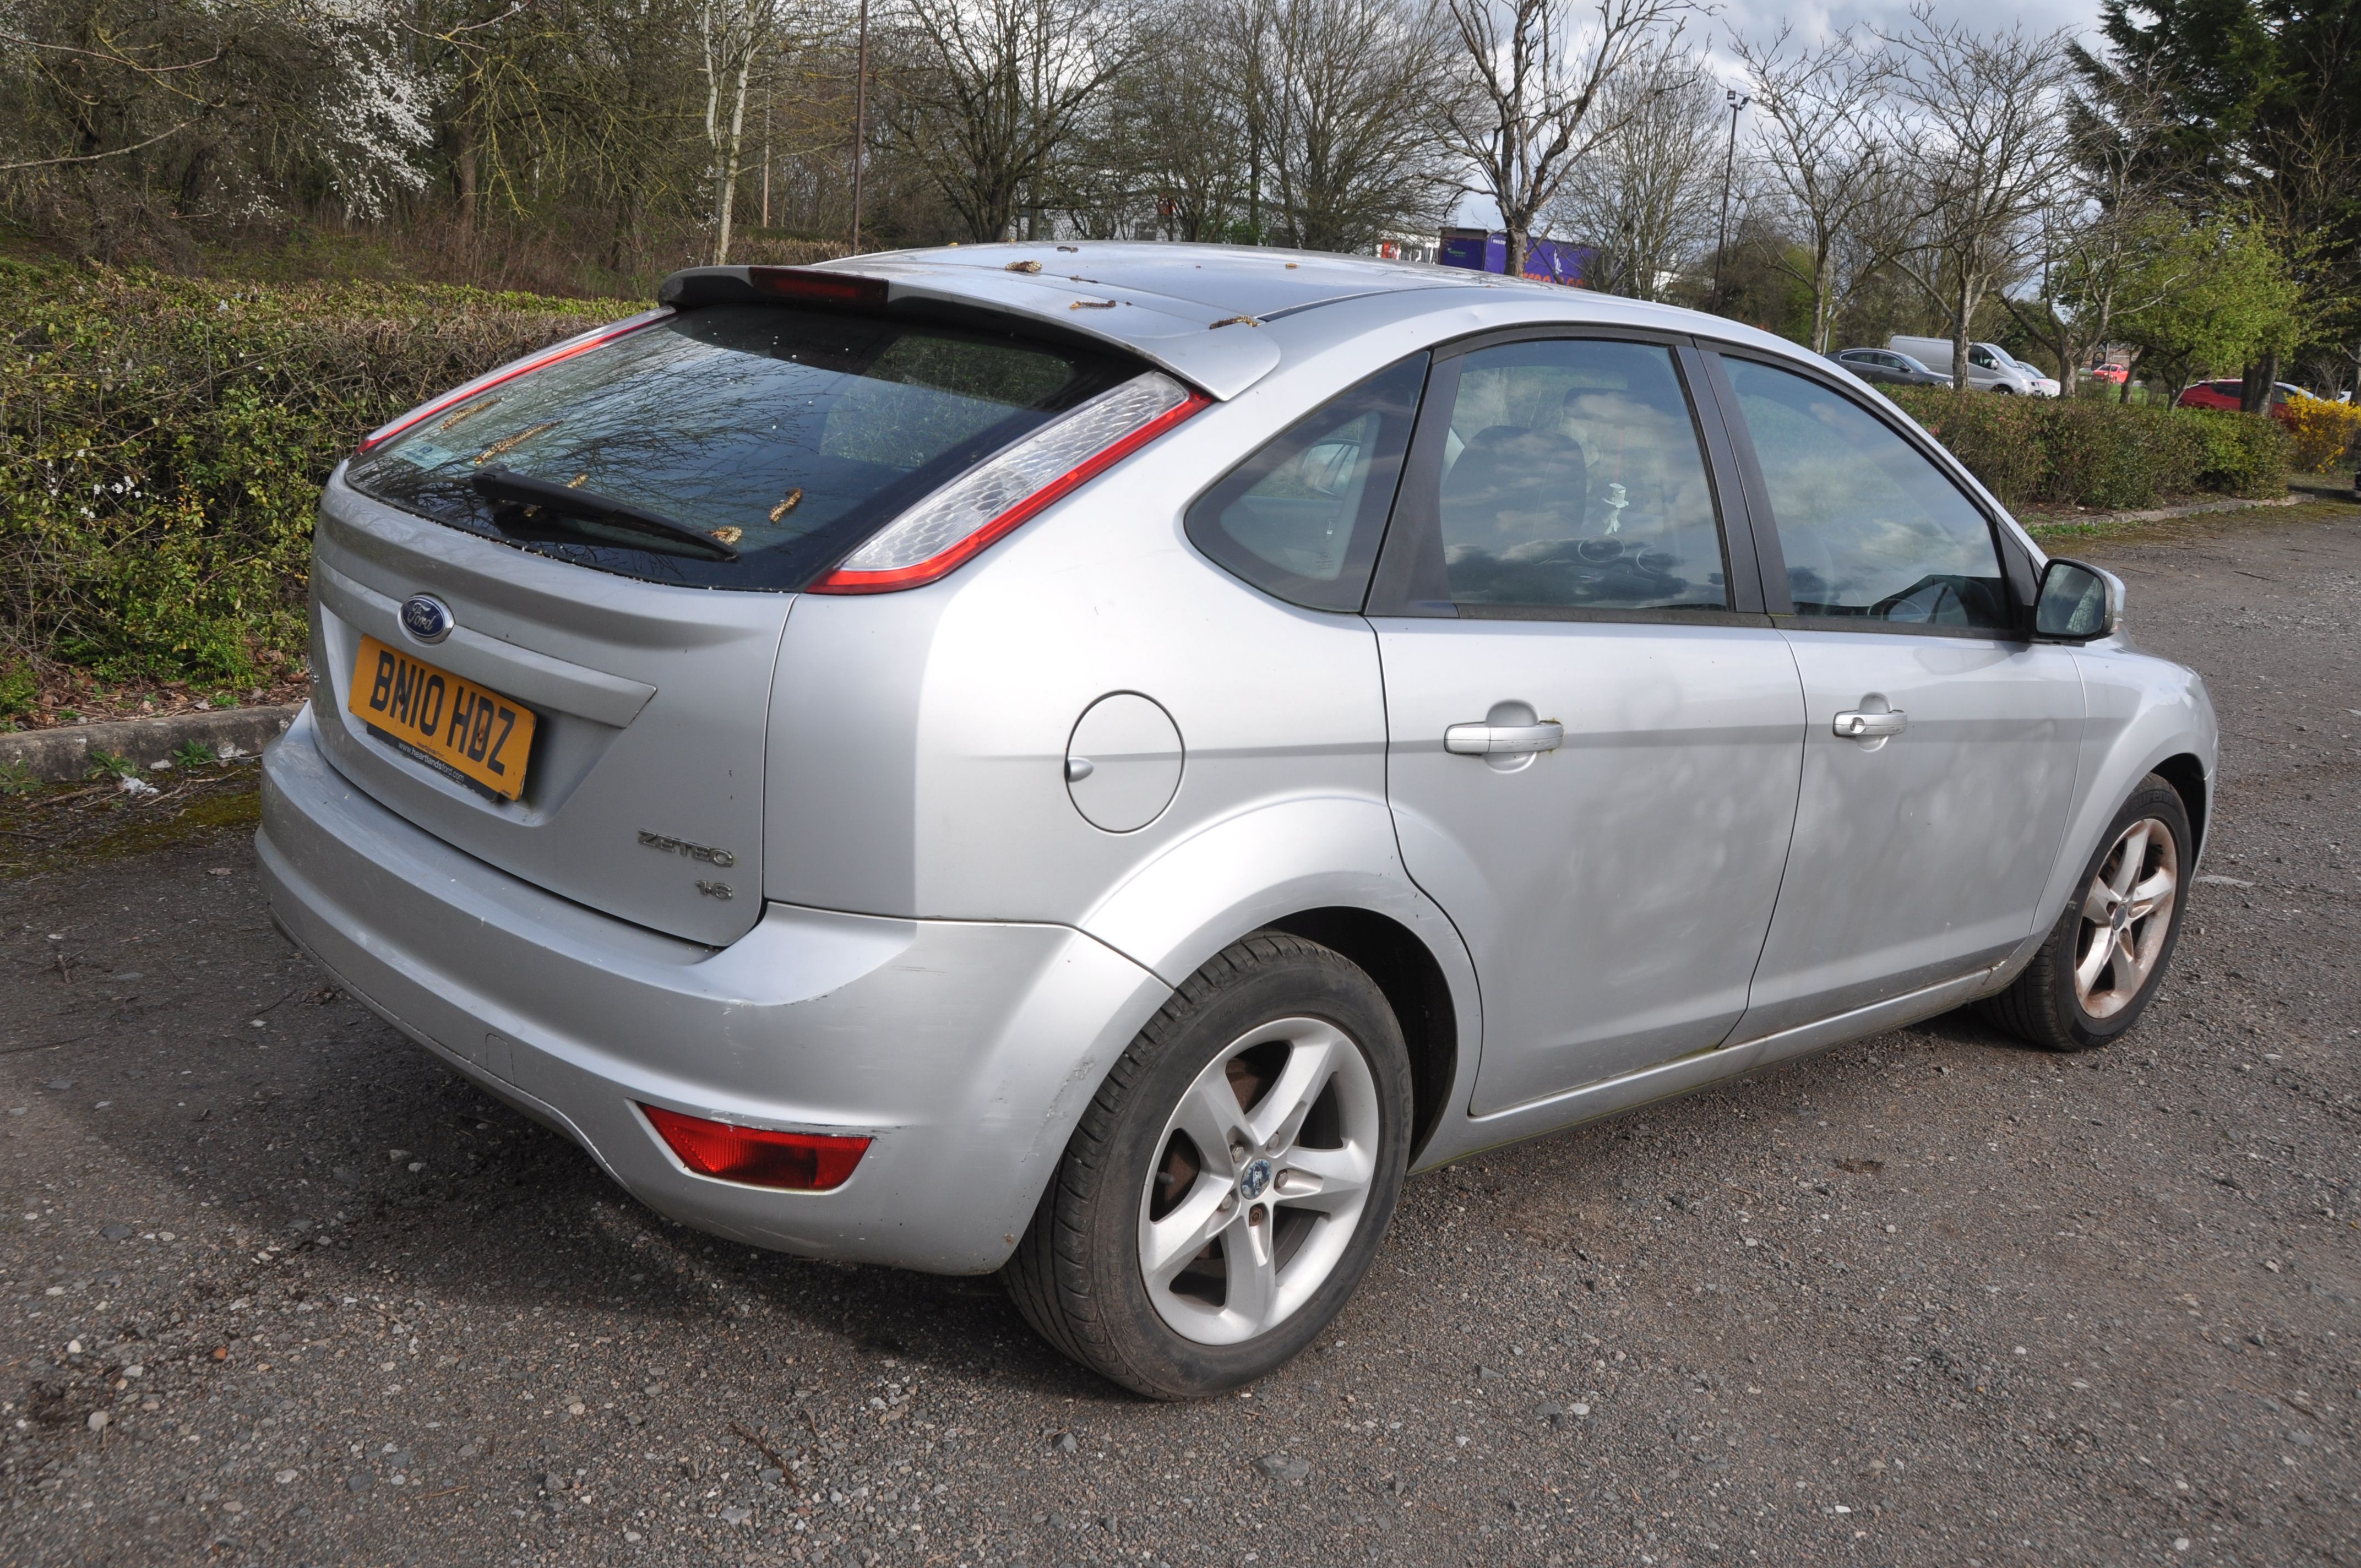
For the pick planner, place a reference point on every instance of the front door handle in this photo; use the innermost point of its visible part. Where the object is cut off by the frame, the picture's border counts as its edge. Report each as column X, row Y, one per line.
column 1857, row 726
column 1503, row 739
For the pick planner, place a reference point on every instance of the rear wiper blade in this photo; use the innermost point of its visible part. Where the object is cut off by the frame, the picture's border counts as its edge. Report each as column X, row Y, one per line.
column 588, row 505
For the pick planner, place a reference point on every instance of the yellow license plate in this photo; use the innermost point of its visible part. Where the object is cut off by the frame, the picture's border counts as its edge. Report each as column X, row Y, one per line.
column 481, row 735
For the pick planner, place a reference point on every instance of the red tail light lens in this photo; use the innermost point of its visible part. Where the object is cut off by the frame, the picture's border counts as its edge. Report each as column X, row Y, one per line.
column 798, row 1162
column 530, row 362
column 957, row 521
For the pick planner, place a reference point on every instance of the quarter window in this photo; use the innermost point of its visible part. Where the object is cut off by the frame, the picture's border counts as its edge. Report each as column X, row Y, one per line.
column 1300, row 518
column 1870, row 529
column 1572, row 480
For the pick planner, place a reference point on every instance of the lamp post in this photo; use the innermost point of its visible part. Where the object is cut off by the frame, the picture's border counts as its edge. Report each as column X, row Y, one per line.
column 1737, row 100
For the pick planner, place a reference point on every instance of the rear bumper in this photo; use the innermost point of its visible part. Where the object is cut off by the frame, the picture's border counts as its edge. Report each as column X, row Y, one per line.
column 966, row 1049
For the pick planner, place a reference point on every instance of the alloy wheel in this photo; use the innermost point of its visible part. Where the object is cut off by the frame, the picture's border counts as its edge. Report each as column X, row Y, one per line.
column 2127, row 916
column 1260, row 1177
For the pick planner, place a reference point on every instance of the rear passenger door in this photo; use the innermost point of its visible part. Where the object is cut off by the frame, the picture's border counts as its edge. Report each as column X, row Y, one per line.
column 1941, row 743
column 1594, row 731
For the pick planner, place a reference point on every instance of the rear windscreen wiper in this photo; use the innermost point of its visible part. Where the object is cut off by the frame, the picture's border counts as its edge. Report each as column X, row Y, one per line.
column 554, row 501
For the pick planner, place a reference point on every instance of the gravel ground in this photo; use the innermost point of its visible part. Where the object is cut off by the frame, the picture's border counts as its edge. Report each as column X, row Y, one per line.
column 280, row 1289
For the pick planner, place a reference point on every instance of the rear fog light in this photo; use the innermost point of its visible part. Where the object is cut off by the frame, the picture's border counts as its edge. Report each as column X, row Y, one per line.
column 798, row 1162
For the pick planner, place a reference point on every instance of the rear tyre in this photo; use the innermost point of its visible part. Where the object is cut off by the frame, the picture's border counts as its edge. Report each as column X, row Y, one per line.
column 2103, row 963
column 1229, row 1185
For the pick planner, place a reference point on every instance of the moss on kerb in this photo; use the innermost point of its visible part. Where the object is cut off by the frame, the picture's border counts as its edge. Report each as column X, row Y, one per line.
column 57, row 827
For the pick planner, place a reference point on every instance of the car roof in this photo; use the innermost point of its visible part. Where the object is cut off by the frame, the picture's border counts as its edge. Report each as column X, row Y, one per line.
column 1195, row 309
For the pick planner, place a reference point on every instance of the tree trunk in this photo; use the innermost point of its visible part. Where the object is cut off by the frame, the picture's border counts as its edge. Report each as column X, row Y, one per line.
column 1823, row 286
column 733, row 163
column 1962, row 309
column 464, row 173
column 2266, row 381
column 2255, row 383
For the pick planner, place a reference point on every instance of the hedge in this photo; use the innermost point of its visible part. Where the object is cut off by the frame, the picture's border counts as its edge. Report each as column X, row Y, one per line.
column 2094, row 452
column 163, row 440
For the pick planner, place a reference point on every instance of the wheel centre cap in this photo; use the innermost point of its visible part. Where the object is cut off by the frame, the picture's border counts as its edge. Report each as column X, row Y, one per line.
column 1254, row 1178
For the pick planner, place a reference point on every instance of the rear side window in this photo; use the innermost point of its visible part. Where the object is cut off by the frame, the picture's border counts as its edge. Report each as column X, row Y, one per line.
column 1300, row 518
column 1871, row 530
column 785, row 433
column 1572, row 480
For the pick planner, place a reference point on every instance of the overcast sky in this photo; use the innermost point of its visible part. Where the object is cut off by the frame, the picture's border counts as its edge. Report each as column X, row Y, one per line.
column 1761, row 18
column 1815, row 19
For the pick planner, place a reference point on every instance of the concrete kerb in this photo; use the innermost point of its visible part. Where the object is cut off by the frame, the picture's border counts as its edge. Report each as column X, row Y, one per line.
column 2036, row 521
column 65, row 751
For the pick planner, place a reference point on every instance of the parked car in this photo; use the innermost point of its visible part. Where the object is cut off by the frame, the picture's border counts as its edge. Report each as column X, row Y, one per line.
column 2114, row 374
column 2044, row 383
column 2231, row 394
column 1990, row 369
column 1096, row 762
column 1889, row 367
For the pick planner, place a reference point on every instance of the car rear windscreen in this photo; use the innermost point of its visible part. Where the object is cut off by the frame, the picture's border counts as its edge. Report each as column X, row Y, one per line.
column 785, row 434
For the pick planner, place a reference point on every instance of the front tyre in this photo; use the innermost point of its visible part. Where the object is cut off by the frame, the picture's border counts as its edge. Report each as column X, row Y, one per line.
column 1230, row 1182
column 2095, row 975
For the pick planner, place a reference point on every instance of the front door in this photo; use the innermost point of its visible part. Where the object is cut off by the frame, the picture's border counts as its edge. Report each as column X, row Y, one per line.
column 1940, row 745
column 1594, row 740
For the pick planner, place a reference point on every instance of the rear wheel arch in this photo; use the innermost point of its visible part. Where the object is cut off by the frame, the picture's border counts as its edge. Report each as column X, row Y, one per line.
column 1407, row 971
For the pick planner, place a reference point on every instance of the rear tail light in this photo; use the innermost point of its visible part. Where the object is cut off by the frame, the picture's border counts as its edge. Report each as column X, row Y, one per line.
column 799, row 1162
column 964, row 517
column 530, row 362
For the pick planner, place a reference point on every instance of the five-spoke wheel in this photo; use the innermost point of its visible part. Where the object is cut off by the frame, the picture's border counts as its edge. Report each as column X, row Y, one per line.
column 1230, row 1182
column 2127, row 915
column 2096, row 974
column 1262, row 1175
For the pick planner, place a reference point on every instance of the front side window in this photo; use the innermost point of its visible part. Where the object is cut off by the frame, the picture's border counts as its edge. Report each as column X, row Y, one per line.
column 1572, row 480
column 1871, row 530
column 787, row 434
column 1300, row 518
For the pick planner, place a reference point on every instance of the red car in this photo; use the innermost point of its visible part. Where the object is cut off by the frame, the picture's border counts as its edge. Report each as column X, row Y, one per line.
column 2114, row 374
column 2227, row 395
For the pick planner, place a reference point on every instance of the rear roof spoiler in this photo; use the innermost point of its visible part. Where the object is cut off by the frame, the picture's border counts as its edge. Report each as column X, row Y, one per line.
column 1171, row 334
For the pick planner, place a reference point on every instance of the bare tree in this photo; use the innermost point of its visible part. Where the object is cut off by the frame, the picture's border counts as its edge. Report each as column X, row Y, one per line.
column 1532, row 73
column 1187, row 101
column 735, row 34
column 1645, row 198
column 1347, row 87
column 989, row 91
column 1984, row 134
column 1830, row 163
column 2105, row 251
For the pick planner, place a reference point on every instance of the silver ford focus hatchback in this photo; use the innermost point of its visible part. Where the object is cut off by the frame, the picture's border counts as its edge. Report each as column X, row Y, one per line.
column 1093, row 761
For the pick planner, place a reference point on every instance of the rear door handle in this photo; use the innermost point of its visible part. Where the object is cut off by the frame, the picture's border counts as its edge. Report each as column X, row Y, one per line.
column 1503, row 739
column 1856, row 726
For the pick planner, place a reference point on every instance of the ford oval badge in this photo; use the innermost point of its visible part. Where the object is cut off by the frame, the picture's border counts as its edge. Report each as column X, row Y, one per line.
column 426, row 619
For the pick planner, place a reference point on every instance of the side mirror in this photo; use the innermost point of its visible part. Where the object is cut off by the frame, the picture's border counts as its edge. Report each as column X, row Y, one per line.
column 2077, row 603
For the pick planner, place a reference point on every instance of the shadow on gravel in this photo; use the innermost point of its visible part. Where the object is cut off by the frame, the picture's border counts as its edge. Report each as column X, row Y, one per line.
column 183, row 1034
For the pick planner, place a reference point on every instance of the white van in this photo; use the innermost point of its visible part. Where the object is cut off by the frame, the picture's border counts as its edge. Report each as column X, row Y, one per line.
column 1990, row 368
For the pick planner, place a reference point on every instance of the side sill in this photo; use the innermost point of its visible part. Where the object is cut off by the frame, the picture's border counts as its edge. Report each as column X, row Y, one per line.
column 1539, row 1118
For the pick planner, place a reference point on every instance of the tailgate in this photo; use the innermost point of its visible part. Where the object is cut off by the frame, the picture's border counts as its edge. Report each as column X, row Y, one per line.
column 642, row 795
